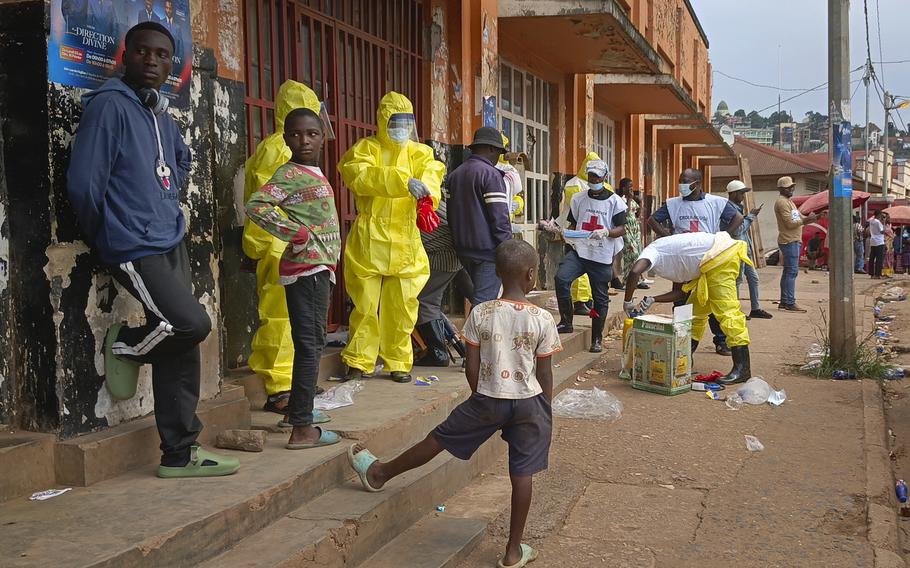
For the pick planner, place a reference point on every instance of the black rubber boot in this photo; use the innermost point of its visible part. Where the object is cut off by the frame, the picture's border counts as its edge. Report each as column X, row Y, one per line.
column 742, row 369
column 566, row 313
column 597, row 332
column 436, row 353
column 583, row 308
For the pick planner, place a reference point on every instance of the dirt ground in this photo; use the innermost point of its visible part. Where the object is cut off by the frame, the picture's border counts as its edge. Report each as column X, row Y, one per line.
column 672, row 484
column 897, row 398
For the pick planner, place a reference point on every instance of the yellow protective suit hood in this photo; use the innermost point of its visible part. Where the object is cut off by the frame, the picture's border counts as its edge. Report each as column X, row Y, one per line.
column 272, row 354
column 385, row 265
column 271, row 153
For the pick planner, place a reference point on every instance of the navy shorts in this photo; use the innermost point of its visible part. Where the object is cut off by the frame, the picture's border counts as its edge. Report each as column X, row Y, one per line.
column 526, row 424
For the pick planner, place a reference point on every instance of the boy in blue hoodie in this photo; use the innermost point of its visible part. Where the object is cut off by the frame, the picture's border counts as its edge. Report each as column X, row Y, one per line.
column 127, row 166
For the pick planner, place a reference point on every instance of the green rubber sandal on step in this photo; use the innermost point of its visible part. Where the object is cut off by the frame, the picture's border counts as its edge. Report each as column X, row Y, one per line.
column 203, row 463
column 120, row 375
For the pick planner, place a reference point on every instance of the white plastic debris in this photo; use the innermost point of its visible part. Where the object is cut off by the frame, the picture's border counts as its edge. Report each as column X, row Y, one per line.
column 338, row 397
column 753, row 444
column 757, row 391
column 593, row 404
column 49, row 494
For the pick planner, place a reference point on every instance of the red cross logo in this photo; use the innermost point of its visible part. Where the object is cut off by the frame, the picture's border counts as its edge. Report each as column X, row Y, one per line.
column 591, row 225
column 694, row 226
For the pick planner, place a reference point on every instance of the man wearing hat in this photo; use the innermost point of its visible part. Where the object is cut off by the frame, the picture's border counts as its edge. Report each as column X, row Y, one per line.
column 736, row 193
column 603, row 214
column 478, row 211
column 789, row 240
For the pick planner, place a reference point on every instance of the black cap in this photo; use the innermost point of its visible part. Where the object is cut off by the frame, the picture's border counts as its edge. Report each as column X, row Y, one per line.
column 153, row 26
column 488, row 136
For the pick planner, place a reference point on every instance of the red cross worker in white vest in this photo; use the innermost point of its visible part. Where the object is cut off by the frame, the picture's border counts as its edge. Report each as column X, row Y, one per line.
column 600, row 216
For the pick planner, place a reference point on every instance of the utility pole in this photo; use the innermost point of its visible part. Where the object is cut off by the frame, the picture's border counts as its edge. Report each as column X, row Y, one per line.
column 867, row 77
column 842, row 329
column 887, row 171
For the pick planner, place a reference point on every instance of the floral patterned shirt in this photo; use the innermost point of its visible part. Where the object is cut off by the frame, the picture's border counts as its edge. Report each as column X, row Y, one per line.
column 298, row 205
column 511, row 337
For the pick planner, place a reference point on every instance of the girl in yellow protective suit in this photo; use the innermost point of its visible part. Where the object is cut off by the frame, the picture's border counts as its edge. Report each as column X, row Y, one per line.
column 385, row 265
column 272, row 354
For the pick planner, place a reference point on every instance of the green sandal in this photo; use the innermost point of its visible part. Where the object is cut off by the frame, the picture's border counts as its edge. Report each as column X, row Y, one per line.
column 120, row 375
column 203, row 463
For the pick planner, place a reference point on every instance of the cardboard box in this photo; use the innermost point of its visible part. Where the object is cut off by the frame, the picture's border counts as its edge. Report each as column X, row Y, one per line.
column 662, row 352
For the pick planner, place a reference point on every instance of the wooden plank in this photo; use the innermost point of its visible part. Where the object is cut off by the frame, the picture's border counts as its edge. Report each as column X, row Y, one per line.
column 758, row 249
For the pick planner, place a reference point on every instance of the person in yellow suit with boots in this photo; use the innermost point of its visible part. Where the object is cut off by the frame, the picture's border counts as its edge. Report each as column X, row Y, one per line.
column 272, row 354
column 385, row 265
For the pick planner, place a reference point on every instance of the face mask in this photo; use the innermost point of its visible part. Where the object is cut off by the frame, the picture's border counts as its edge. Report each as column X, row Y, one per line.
column 596, row 186
column 686, row 189
column 399, row 135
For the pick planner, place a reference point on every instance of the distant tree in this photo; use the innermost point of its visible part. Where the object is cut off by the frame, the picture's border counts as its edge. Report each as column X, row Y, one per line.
column 740, row 112
column 758, row 121
column 778, row 117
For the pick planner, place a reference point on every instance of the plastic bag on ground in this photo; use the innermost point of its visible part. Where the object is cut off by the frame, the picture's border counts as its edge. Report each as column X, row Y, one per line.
column 757, row 391
column 338, row 397
column 753, row 444
column 816, row 351
column 754, row 391
column 593, row 404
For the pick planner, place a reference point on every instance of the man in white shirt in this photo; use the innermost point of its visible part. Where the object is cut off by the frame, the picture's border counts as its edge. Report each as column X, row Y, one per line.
column 877, row 245
column 602, row 213
column 695, row 211
column 704, row 268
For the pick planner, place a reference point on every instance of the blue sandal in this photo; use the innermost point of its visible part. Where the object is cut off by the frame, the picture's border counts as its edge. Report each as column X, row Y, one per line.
column 326, row 438
column 361, row 462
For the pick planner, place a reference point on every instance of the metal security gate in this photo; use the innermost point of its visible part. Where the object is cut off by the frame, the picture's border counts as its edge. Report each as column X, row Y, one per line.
column 350, row 52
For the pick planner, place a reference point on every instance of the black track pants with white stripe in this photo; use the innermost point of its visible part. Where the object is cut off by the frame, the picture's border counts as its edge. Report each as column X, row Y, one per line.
column 175, row 325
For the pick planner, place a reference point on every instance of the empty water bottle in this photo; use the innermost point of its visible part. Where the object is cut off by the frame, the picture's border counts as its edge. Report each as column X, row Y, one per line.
column 895, row 374
column 843, row 374
column 900, row 489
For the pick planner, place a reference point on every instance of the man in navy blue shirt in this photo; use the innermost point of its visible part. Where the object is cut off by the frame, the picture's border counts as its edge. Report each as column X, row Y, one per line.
column 127, row 167
column 478, row 211
column 695, row 211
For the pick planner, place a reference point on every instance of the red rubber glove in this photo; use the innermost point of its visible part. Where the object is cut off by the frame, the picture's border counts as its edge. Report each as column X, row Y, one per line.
column 427, row 220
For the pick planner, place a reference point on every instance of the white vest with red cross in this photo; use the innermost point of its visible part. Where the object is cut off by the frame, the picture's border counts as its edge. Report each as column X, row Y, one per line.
column 701, row 216
column 592, row 214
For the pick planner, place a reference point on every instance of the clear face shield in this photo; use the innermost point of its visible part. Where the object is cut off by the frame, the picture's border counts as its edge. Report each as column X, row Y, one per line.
column 402, row 127
column 327, row 129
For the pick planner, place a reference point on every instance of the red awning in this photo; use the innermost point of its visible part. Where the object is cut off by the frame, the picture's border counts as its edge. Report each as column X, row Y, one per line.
column 819, row 201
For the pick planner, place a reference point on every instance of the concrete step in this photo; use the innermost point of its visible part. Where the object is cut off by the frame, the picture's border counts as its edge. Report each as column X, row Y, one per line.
column 347, row 525
column 26, row 463
column 437, row 541
column 138, row 520
column 91, row 458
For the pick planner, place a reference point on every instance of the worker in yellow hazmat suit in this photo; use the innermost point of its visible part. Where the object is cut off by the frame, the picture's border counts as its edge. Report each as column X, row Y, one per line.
column 272, row 354
column 385, row 265
column 581, row 288
column 703, row 268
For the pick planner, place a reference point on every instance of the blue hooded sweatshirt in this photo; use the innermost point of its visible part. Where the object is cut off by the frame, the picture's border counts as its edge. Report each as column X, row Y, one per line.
column 124, row 208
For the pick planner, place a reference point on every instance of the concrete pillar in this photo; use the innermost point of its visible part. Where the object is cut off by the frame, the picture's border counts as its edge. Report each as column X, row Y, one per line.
column 636, row 149
column 579, row 118
column 478, row 59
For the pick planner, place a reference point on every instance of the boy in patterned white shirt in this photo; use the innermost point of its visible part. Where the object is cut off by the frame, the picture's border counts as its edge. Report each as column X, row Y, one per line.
column 510, row 345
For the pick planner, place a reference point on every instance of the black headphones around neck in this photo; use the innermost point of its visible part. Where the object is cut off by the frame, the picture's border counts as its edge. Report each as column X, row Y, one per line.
column 153, row 99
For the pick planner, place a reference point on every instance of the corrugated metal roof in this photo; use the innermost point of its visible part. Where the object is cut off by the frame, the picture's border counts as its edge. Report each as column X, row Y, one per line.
column 766, row 161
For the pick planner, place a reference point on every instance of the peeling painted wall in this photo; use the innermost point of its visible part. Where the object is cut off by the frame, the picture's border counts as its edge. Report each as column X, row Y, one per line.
column 70, row 300
column 5, row 336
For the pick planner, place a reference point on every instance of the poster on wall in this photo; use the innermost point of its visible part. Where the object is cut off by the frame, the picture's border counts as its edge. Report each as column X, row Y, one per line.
column 86, row 42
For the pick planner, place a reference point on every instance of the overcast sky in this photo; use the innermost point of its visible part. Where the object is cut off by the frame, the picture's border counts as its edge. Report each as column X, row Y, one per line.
column 744, row 35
